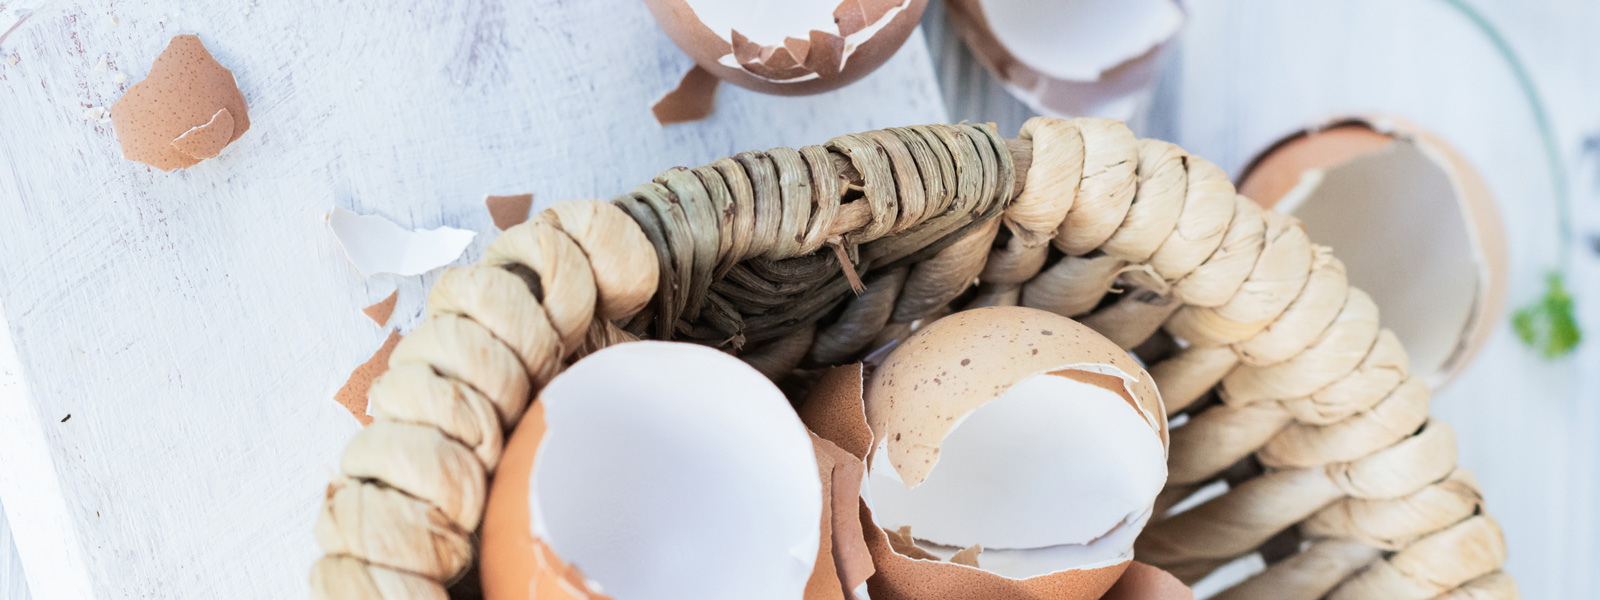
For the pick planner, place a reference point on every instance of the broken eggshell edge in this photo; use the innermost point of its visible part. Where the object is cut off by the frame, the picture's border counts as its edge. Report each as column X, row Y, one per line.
column 708, row 49
column 836, row 410
column 1120, row 91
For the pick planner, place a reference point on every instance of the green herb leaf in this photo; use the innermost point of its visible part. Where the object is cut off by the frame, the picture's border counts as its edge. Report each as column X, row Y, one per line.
column 1549, row 324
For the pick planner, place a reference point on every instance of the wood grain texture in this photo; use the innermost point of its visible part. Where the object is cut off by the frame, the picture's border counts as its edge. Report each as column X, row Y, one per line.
column 13, row 583
column 1250, row 71
column 196, row 324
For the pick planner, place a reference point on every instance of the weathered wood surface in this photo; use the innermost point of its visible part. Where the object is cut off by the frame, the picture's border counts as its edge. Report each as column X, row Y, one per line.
column 196, row 324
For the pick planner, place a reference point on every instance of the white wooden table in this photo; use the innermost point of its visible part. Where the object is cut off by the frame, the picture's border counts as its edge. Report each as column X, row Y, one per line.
column 196, row 325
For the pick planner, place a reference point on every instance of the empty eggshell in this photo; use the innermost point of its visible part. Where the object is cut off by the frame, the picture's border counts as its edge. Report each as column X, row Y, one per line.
column 662, row 470
column 1413, row 223
column 1077, row 58
column 186, row 110
column 789, row 47
column 1008, row 437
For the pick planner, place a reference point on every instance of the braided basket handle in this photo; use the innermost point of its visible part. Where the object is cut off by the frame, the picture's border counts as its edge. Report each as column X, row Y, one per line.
column 1296, row 398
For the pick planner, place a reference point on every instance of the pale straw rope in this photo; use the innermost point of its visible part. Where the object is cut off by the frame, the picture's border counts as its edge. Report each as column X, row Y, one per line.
column 1310, row 384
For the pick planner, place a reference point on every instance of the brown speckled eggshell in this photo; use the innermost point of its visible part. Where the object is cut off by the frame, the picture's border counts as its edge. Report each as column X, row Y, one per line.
column 185, row 89
column 961, row 362
column 833, row 410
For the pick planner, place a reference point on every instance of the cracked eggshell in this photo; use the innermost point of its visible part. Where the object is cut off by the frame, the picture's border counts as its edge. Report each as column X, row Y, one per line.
column 656, row 470
column 186, row 110
column 1075, row 58
column 788, row 47
column 945, row 371
column 1037, row 454
column 1414, row 224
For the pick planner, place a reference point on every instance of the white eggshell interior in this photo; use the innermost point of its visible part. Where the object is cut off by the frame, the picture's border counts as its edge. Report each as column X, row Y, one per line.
column 1080, row 39
column 768, row 22
column 378, row 245
column 673, row 471
column 1395, row 219
column 765, row 22
column 1115, row 547
column 1039, row 477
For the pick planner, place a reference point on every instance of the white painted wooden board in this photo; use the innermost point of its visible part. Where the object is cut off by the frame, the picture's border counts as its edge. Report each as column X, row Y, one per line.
column 195, row 325
column 13, row 584
column 1250, row 71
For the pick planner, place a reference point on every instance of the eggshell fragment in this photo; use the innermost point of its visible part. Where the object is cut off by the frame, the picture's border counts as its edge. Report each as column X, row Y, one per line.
column 843, row 561
column 509, row 211
column 692, row 100
column 353, row 394
column 380, row 312
column 1086, row 58
column 835, row 411
column 206, row 141
column 788, row 47
column 377, row 245
column 186, row 90
column 662, row 471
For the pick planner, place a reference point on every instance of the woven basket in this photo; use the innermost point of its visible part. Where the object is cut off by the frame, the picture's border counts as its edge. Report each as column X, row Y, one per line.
column 1280, row 379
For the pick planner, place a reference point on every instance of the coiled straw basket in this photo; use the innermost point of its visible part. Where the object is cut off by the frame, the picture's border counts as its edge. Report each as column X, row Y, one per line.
column 1285, row 389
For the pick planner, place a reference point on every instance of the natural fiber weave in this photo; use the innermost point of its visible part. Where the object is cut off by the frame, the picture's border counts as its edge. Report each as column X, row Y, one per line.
column 1295, row 399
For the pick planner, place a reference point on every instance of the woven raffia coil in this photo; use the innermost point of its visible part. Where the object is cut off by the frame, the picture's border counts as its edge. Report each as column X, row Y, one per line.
column 1289, row 392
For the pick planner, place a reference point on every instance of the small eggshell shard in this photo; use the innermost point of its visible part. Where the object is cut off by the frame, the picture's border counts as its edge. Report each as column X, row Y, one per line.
column 1084, row 58
column 1026, row 470
column 353, row 394
column 843, row 562
column 852, row 561
column 663, row 471
column 693, row 99
column 380, row 312
column 377, row 245
column 1414, row 225
column 207, row 141
column 174, row 117
column 788, row 47
column 509, row 211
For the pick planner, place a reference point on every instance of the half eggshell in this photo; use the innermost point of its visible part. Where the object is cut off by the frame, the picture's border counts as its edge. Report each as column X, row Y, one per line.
column 656, row 470
column 788, row 47
column 1412, row 221
column 1012, row 453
